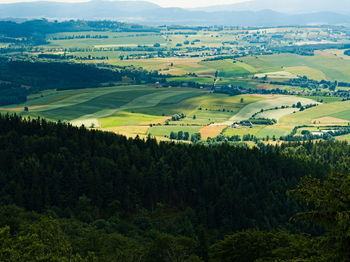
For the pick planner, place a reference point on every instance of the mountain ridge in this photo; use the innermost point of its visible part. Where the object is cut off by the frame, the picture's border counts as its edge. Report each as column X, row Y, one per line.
column 147, row 13
column 285, row 6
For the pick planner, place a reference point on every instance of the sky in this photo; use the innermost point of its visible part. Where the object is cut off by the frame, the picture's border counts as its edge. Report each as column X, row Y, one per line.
column 164, row 3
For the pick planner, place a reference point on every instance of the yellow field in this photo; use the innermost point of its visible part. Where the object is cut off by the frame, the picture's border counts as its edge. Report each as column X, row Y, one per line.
column 128, row 131
column 306, row 70
column 211, row 131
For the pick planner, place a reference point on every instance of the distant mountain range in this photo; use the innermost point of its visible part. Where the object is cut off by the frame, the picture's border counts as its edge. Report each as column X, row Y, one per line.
column 286, row 6
column 252, row 13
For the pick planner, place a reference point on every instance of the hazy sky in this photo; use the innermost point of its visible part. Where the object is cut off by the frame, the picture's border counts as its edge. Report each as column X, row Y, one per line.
column 165, row 3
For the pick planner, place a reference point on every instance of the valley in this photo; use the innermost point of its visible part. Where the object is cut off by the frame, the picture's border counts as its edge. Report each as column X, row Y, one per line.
column 169, row 131
column 217, row 78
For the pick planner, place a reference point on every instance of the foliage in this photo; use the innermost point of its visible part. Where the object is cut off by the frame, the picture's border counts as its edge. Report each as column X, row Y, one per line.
column 94, row 196
column 330, row 199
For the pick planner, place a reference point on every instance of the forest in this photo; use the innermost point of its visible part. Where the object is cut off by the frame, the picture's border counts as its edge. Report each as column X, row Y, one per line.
column 72, row 194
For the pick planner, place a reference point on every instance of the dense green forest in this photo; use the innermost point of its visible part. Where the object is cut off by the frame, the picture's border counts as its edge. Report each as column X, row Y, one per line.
column 21, row 78
column 72, row 194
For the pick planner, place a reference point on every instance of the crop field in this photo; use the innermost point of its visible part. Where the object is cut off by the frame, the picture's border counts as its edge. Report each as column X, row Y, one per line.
column 329, row 114
column 316, row 67
column 326, row 64
column 128, row 131
column 229, row 68
column 210, row 58
column 274, row 101
column 211, row 131
column 102, row 102
column 143, row 110
column 130, row 119
column 281, row 66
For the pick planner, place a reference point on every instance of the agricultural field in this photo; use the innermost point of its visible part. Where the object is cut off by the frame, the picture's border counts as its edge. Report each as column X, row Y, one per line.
column 270, row 103
column 141, row 110
column 147, row 110
column 325, row 114
column 181, row 51
column 212, row 61
column 317, row 67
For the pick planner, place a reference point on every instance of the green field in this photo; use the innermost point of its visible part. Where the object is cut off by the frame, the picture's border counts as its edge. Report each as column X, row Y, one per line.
column 276, row 114
column 101, row 102
column 229, row 68
column 145, row 109
column 316, row 67
column 321, row 111
column 324, row 99
column 273, row 102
